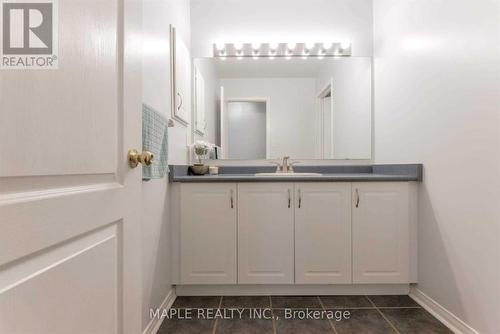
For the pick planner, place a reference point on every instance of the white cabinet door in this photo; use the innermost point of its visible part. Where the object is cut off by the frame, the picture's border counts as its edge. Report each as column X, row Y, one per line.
column 181, row 75
column 208, row 233
column 380, row 232
column 323, row 233
column 265, row 233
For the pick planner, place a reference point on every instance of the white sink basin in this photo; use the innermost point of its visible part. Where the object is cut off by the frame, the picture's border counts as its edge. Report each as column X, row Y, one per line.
column 287, row 174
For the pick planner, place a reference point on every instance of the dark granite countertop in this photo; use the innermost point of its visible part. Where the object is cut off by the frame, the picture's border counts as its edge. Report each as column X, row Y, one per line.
column 329, row 173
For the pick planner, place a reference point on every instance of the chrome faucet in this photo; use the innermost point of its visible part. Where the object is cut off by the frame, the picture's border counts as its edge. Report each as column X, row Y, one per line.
column 285, row 165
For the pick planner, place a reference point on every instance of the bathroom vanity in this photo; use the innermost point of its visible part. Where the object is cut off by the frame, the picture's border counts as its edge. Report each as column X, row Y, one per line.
column 347, row 226
column 301, row 227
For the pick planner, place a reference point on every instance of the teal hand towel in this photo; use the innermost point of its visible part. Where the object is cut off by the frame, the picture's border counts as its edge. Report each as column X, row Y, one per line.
column 155, row 140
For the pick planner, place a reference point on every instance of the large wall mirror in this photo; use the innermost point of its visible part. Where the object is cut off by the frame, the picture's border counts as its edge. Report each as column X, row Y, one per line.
column 269, row 108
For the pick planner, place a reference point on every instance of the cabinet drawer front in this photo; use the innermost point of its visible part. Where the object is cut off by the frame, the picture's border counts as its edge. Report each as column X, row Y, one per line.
column 208, row 233
column 323, row 233
column 380, row 232
column 265, row 233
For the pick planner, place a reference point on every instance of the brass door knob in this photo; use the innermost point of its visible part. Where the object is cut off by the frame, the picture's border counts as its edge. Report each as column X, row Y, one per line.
column 135, row 158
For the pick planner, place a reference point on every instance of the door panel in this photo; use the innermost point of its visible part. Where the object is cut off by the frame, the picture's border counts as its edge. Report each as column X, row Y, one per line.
column 380, row 232
column 81, row 98
column 265, row 233
column 208, row 233
column 43, row 281
column 323, row 233
column 70, row 233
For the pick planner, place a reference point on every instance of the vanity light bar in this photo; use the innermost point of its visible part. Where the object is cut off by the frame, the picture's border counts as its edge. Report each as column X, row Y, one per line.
column 283, row 50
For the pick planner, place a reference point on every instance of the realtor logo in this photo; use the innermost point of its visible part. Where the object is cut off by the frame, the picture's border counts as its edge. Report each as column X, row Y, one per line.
column 29, row 34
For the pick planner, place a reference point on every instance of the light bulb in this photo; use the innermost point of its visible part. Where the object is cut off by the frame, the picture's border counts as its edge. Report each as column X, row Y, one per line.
column 309, row 46
column 274, row 46
column 272, row 54
column 256, row 46
column 321, row 54
column 239, row 54
column 291, row 46
column 345, row 44
column 327, row 45
column 220, row 46
column 238, row 46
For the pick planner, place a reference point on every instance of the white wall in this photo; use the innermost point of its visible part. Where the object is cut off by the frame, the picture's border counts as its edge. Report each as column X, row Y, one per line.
column 292, row 112
column 437, row 85
column 281, row 20
column 157, row 15
column 351, row 80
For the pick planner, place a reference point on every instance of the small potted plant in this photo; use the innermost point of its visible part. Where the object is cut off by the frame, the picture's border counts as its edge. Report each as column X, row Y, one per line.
column 200, row 149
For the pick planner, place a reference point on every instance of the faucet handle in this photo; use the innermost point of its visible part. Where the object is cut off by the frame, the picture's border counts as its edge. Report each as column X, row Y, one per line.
column 277, row 163
column 290, row 165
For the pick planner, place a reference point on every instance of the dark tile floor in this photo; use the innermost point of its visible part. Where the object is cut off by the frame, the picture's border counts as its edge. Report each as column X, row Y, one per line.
column 289, row 314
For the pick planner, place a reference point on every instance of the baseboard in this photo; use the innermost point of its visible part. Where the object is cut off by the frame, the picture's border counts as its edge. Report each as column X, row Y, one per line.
column 155, row 323
column 245, row 290
column 442, row 314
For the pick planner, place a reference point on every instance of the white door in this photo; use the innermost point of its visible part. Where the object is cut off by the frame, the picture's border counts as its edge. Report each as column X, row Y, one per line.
column 69, row 203
column 323, row 233
column 327, row 128
column 199, row 107
column 223, row 124
column 265, row 233
column 208, row 233
column 247, row 130
column 380, row 232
